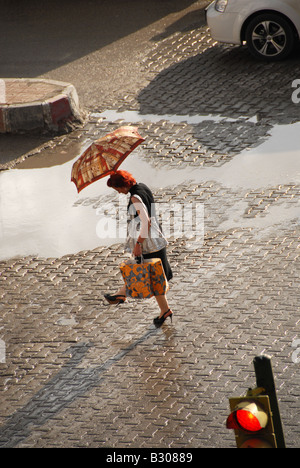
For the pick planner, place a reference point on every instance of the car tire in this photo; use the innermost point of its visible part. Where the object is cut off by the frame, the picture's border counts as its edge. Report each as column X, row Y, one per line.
column 270, row 37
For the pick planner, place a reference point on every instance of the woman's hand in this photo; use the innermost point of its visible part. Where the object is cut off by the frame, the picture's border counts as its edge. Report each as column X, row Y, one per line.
column 137, row 251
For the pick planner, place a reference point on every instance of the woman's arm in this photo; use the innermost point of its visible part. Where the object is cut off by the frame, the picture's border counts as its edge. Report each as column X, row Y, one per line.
column 145, row 225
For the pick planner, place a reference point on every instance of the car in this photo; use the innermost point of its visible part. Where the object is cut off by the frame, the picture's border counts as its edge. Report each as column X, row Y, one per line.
column 270, row 28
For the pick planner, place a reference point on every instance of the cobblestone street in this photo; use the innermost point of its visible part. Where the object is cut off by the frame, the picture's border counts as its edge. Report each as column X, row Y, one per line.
column 79, row 373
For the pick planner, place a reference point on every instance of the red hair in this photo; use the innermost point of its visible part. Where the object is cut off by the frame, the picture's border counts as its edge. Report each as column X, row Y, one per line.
column 121, row 179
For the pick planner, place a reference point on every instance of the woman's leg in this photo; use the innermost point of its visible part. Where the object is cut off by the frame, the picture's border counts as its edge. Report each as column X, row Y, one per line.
column 163, row 304
column 122, row 291
column 118, row 298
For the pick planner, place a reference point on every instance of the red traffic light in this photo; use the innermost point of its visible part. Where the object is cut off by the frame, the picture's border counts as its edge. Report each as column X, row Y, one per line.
column 251, row 420
column 248, row 421
column 251, row 416
column 247, row 416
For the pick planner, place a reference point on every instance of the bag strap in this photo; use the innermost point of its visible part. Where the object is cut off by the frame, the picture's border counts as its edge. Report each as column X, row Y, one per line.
column 140, row 259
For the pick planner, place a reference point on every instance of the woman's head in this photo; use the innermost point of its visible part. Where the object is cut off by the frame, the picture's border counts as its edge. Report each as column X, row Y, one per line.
column 122, row 181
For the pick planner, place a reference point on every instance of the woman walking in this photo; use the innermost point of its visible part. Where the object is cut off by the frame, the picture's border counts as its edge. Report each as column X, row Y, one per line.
column 141, row 207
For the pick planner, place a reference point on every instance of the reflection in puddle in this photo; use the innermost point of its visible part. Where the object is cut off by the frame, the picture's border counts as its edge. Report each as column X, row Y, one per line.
column 37, row 214
column 42, row 214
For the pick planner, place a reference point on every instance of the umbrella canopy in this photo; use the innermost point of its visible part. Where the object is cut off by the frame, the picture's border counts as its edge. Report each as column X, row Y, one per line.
column 104, row 156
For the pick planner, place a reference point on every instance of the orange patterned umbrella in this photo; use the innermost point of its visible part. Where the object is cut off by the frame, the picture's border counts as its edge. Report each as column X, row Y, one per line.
column 104, row 156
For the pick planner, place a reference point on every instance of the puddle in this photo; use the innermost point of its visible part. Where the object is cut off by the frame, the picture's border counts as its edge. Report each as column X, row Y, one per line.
column 42, row 214
column 53, row 156
column 13, row 147
column 37, row 213
column 134, row 116
column 276, row 161
column 277, row 215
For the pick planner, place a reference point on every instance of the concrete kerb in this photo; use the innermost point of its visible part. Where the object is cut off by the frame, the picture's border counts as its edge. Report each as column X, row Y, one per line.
column 56, row 110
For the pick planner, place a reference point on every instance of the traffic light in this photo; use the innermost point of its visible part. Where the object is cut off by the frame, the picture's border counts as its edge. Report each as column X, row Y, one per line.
column 251, row 419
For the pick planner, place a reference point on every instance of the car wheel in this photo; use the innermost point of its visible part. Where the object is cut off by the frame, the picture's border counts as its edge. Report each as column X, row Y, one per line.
column 270, row 37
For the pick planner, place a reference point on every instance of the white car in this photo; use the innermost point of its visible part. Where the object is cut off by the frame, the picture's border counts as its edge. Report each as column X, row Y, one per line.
column 271, row 28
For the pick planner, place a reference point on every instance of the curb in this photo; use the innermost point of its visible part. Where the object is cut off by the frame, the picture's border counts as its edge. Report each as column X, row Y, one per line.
column 52, row 105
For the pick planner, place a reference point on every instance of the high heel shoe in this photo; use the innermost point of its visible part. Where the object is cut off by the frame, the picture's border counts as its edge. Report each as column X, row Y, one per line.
column 158, row 321
column 115, row 299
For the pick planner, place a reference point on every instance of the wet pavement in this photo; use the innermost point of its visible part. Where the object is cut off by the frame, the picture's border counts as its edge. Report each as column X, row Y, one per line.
column 79, row 373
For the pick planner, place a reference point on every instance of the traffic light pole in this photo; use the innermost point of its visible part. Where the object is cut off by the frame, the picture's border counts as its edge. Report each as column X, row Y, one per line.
column 265, row 379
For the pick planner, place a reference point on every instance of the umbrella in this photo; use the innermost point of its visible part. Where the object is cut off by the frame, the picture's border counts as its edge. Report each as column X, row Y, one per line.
column 104, row 156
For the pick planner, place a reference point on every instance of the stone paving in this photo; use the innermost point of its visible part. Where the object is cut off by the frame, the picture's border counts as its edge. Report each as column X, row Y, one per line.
column 79, row 373
column 22, row 92
column 28, row 105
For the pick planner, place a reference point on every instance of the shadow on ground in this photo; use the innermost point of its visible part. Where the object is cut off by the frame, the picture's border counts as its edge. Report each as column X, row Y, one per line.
column 41, row 36
column 224, row 80
column 63, row 389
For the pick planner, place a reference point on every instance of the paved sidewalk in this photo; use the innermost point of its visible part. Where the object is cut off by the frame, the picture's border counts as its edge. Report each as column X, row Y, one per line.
column 80, row 373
